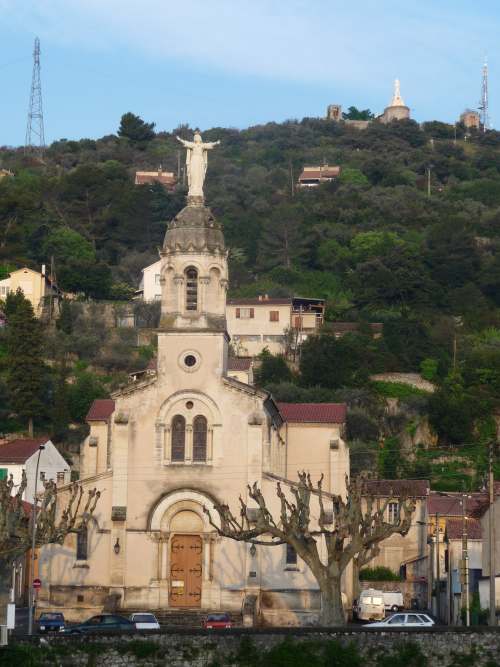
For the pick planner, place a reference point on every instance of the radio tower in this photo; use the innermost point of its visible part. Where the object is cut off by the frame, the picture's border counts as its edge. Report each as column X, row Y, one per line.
column 35, row 139
column 483, row 105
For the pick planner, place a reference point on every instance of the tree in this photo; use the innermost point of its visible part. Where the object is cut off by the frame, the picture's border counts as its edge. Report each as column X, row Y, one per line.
column 273, row 369
column 353, row 113
column 282, row 242
column 24, row 361
column 134, row 128
column 345, row 527
column 54, row 521
column 330, row 362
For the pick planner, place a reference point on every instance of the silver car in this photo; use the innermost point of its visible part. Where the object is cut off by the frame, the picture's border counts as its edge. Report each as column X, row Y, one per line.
column 145, row 621
column 412, row 619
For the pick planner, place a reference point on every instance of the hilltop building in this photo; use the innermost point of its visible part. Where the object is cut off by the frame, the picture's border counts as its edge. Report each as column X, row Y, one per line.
column 179, row 439
column 397, row 109
column 311, row 177
column 470, row 119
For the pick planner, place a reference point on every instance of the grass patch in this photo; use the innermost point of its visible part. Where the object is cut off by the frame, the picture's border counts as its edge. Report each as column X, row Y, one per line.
column 397, row 390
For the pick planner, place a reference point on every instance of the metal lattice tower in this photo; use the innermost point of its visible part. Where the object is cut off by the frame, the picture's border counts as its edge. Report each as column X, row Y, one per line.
column 483, row 104
column 35, row 138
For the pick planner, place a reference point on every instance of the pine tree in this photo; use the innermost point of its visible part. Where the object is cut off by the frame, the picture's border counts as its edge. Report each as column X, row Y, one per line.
column 60, row 411
column 134, row 128
column 25, row 367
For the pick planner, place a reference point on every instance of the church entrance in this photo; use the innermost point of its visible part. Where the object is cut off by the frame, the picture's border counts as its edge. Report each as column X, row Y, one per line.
column 186, row 569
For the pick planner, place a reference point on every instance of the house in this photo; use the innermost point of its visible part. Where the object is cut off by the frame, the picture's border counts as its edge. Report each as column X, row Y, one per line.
column 6, row 173
column 491, row 513
column 150, row 285
column 241, row 369
column 22, row 454
column 278, row 324
column 165, row 447
column 470, row 119
column 165, row 178
column 36, row 286
column 311, row 177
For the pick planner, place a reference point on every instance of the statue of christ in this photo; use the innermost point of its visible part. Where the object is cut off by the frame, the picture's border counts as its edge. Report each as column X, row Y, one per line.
column 196, row 164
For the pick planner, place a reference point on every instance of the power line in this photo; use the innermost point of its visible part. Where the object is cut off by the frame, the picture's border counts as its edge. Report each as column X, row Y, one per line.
column 35, row 137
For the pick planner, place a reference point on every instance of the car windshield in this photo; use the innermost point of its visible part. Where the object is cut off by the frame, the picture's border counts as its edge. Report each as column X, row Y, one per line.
column 144, row 618
column 217, row 617
column 52, row 617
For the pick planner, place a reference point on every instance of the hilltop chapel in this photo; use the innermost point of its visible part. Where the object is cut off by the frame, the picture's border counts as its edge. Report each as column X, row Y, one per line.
column 165, row 446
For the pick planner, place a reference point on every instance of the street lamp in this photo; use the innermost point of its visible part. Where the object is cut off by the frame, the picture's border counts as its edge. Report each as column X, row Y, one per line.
column 33, row 544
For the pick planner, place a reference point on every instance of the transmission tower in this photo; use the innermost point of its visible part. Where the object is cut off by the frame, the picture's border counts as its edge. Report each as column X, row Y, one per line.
column 35, row 139
column 483, row 104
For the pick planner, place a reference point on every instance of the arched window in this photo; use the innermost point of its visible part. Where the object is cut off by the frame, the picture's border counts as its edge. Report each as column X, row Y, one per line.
column 199, row 438
column 178, row 438
column 191, row 289
column 82, row 544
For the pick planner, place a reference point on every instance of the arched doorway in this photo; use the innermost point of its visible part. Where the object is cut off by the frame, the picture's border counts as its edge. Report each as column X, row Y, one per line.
column 186, row 559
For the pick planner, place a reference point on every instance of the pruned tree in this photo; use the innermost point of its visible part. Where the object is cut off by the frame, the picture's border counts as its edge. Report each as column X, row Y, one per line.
column 53, row 522
column 327, row 537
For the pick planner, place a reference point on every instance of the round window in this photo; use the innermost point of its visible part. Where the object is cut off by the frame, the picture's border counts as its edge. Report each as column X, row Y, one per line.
column 190, row 360
column 189, row 405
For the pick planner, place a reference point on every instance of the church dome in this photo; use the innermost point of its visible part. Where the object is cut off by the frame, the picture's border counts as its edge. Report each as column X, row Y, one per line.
column 194, row 229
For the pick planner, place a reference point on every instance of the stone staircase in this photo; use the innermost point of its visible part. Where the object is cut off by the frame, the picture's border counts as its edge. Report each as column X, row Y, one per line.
column 183, row 618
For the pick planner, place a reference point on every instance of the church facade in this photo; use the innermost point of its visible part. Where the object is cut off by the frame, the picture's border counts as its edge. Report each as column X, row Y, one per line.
column 164, row 448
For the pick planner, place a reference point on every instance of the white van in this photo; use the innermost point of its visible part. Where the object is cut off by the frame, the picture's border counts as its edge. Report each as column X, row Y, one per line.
column 393, row 600
column 371, row 605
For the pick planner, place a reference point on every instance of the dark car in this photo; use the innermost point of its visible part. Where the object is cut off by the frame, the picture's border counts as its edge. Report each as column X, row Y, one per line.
column 102, row 623
column 50, row 622
column 217, row 622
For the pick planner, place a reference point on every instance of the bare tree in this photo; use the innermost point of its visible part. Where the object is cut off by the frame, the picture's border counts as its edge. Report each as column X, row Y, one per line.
column 344, row 528
column 53, row 524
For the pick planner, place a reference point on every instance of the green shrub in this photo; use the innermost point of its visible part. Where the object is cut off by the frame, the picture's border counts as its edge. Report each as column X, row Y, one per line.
column 379, row 573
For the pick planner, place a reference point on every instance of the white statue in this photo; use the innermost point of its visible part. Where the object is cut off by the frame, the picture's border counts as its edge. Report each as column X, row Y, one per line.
column 196, row 163
column 397, row 100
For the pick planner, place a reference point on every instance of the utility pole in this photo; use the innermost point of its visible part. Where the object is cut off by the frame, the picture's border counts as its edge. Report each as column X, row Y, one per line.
column 178, row 166
column 465, row 563
column 31, row 594
column 428, row 169
column 35, row 137
column 438, row 575
column 491, row 526
column 292, row 186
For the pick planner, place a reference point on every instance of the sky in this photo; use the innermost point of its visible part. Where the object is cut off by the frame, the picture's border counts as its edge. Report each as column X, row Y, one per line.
column 236, row 63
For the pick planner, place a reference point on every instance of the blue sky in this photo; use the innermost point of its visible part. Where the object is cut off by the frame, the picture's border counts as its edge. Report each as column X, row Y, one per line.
column 238, row 63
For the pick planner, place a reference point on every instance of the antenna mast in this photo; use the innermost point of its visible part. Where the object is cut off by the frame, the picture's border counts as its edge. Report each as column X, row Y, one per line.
column 35, row 139
column 483, row 105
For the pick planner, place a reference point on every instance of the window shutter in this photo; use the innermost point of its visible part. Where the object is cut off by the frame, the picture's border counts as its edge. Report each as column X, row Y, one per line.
column 237, row 313
column 251, row 312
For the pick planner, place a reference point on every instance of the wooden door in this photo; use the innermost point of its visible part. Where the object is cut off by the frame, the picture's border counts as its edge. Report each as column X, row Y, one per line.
column 186, row 558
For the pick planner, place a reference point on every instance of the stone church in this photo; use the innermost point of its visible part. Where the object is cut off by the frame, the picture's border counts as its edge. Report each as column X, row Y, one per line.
column 166, row 446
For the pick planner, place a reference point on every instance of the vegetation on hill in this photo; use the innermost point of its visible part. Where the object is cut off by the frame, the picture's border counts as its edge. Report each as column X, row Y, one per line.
column 373, row 243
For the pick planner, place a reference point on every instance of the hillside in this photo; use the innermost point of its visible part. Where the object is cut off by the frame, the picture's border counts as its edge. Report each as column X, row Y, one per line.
column 374, row 244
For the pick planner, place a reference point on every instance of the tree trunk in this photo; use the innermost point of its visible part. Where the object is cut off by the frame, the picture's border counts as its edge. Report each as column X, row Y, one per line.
column 332, row 610
column 356, row 587
column 30, row 427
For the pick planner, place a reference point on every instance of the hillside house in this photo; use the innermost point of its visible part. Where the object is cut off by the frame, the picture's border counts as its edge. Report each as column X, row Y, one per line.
column 21, row 455
column 311, row 177
column 278, row 324
column 165, row 178
column 241, row 369
column 150, row 286
column 37, row 287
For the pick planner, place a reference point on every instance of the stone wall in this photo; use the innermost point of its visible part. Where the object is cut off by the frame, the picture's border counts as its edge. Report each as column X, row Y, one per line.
column 444, row 647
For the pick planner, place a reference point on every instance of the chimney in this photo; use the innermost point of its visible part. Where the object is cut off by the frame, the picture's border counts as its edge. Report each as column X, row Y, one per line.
column 260, row 297
column 266, row 297
column 160, row 170
column 43, row 270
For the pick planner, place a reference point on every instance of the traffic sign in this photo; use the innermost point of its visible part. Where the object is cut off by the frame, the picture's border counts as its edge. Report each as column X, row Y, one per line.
column 37, row 583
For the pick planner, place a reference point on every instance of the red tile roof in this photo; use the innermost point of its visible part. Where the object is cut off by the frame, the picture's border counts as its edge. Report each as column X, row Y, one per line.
column 101, row 410
column 454, row 529
column 386, row 488
column 315, row 413
column 451, row 504
column 239, row 363
column 20, row 450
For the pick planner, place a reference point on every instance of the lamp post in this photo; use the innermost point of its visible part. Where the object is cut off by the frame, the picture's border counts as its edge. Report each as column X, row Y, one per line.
column 31, row 597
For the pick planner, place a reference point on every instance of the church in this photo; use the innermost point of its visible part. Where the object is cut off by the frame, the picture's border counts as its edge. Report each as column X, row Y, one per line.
column 163, row 448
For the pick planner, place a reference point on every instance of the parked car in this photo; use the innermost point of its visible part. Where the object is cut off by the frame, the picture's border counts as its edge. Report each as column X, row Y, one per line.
column 217, row 622
column 145, row 621
column 371, row 605
column 404, row 620
column 393, row 600
column 101, row 623
column 51, row 622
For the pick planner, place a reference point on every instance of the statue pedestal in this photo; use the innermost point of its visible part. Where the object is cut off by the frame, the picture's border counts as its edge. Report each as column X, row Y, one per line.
column 195, row 200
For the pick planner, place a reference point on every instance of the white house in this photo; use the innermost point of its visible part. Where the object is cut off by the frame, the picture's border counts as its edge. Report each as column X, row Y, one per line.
column 22, row 454
column 150, row 288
